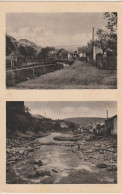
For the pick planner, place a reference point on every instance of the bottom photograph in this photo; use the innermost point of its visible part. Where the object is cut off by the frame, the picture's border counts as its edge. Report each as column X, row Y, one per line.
column 61, row 142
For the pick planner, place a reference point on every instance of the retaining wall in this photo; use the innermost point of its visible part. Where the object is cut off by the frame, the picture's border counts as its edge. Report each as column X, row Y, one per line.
column 19, row 75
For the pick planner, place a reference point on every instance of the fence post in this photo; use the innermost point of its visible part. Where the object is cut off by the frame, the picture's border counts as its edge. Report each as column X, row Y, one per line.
column 33, row 71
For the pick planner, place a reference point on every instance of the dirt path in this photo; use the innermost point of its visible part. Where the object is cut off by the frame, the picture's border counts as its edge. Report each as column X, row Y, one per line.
column 56, row 162
column 80, row 75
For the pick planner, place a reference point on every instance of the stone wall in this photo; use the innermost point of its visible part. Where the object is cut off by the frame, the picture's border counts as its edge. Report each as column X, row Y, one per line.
column 19, row 75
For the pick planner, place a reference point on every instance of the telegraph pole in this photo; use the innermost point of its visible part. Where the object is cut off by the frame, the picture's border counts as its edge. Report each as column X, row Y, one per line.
column 107, row 114
column 107, row 121
column 93, row 48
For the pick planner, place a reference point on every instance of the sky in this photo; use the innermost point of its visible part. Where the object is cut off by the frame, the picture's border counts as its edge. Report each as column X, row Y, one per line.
column 68, row 109
column 54, row 29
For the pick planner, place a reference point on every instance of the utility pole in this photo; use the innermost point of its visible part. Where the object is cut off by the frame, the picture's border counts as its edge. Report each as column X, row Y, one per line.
column 45, row 114
column 107, row 114
column 107, row 121
column 83, row 53
column 93, row 47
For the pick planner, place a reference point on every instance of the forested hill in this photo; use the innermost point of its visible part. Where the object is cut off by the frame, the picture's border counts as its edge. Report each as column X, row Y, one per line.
column 18, row 119
column 84, row 121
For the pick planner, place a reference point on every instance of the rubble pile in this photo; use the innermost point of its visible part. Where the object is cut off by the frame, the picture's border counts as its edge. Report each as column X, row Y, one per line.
column 19, row 149
column 100, row 152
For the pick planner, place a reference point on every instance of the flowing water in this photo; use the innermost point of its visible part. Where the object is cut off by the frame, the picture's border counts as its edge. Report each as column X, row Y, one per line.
column 58, row 161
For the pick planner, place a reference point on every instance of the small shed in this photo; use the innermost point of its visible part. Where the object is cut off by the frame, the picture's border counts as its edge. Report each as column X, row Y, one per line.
column 63, row 125
column 111, row 125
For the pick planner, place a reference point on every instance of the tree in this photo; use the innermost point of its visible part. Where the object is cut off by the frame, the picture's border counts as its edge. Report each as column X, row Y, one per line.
column 27, row 110
column 11, row 44
column 44, row 54
column 112, row 28
column 111, row 21
column 103, row 40
column 87, row 48
column 28, row 52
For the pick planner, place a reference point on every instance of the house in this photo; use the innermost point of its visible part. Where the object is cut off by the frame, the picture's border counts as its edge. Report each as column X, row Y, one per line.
column 52, row 54
column 63, row 54
column 63, row 125
column 111, row 125
column 66, row 55
column 73, row 55
column 81, row 53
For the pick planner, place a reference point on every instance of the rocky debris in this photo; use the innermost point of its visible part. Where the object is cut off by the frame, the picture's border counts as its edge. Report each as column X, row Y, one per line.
column 103, row 150
column 38, row 147
column 43, row 172
column 30, row 149
column 54, row 170
column 18, row 149
column 60, row 138
column 102, row 165
column 37, row 161
column 112, row 168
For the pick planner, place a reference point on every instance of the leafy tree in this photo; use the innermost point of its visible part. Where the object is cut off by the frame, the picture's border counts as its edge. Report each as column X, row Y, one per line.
column 89, row 47
column 10, row 45
column 107, row 39
column 28, row 52
column 27, row 110
column 44, row 54
column 103, row 40
column 111, row 21
column 112, row 27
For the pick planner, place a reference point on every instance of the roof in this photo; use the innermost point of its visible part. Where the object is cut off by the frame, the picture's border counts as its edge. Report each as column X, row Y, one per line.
column 73, row 53
column 63, row 125
column 98, row 50
column 115, row 116
column 61, row 50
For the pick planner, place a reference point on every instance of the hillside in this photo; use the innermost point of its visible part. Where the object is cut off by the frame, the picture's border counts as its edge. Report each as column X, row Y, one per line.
column 84, row 121
column 19, row 120
column 71, row 48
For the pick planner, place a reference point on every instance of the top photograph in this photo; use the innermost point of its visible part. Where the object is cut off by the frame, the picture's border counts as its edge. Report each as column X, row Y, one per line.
column 62, row 50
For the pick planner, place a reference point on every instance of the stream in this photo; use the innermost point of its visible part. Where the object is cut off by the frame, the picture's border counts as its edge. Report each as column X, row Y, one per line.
column 58, row 162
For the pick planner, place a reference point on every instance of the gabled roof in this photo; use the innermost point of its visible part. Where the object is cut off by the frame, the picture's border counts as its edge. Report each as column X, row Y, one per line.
column 62, row 50
column 111, row 118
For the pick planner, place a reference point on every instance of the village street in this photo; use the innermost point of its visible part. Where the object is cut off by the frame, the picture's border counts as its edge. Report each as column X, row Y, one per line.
column 80, row 75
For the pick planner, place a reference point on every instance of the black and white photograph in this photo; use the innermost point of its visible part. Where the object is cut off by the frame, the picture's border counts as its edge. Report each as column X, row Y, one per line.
column 61, row 142
column 62, row 50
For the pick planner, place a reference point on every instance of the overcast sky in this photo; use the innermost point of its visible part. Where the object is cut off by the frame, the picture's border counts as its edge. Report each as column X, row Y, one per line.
column 60, row 110
column 54, row 29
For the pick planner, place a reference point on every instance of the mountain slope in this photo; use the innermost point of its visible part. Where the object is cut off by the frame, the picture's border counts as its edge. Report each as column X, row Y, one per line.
column 84, row 121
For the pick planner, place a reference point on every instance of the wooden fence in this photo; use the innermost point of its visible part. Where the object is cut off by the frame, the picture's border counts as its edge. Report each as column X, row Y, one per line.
column 106, row 62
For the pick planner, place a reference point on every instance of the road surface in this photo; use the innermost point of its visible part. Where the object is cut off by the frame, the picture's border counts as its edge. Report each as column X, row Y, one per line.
column 80, row 75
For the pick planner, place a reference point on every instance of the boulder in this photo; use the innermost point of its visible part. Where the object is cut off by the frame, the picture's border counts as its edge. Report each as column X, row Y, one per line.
column 112, row 168
column 37, row 161
column 102, row 165
column 43, row 172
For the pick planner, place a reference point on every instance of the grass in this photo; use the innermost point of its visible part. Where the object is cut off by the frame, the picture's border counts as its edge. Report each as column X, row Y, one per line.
column 80, row 75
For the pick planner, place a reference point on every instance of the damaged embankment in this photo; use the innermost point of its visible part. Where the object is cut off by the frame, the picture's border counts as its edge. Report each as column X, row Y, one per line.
column 40, row 151
column 22, row 131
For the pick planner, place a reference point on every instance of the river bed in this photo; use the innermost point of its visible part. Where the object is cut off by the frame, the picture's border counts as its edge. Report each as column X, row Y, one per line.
column 55, row 162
